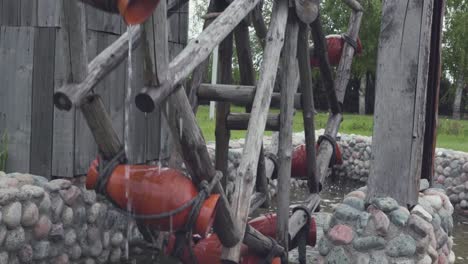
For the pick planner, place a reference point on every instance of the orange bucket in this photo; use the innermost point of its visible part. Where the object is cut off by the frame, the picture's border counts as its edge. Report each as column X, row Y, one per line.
column 299, row 160
column 136, row 11
column 153, row 190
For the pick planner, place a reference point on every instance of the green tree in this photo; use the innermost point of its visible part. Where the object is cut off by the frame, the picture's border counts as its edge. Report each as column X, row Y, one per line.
column 455, row 50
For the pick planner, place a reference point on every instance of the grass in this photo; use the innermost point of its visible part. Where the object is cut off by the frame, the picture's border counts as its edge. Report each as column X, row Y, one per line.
column 451, row 134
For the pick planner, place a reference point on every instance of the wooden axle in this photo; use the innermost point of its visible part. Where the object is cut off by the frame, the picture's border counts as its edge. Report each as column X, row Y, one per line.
column 239, row 95
column 240, row 121
column 71, row 94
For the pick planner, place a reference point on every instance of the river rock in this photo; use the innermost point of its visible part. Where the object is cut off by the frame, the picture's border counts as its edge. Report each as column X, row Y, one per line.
column 57, row 207
column 341, row 234
column 381, row 222
column 401, row 246
column 355, row 202
column 106, row 239
column 369, row 243
column 420, row 211
column 3, row 257
column 419, row 225
column 399, row 217
column 30, row 215
column 70, row 195
column 115, row 255
column 42, row 228
column 324, row 246
column 41, row 250
column 75, row 252
column 465, row 167
column 386, row 204
column 338, row 255
column 434, row 200
column 15, row 239
column 89, row 197
column 3, row 233
column 56, row 232
column 8, row 195
column 117, row 239
column 347, row 213
column 58, row 184
column 12, row 215
column 62, row 259
column 44, row 206
column 70, row 237
column 25, row 254
column 33, row 191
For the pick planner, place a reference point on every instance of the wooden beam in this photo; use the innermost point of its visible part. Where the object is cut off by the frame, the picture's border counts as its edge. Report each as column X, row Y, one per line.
column 100, row 124
column 320, row 48
column 308, row 110
column 222, row 132
column 246, row 173
column 300, row 218
column 401, row 87
column 354, row 5
column 195, row 53
column 288, row 89
column 98, row 68
column 259, row 24
column 240, row 121
column 239, row 95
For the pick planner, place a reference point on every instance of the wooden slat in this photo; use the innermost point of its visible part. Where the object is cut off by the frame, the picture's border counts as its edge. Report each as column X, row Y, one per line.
column 402, row 71
column 28, row 12
column 42, row 104
column 16, row 68
column 64, row 122
column 103, row 21
column 246, row 174
column 11, row 13
column 49, row 13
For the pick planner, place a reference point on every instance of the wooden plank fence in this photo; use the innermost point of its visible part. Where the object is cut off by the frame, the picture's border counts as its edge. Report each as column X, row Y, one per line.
column 34, row 51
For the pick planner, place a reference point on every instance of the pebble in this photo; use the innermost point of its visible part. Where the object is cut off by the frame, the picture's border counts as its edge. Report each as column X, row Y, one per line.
column 44, row 206
column 30, row 215
column 42, row 227
column 67, row 216
column 12, row 215
column 399, row 217
column 15, row 239
column 386, row 204
column 70, row 237
column 75, row 252
column 95, row 249
column 93, row 212
column 33, row 191
column 341, row 234
column 369, row 243
column 381, row 222
column 62, row 259
column 419, row 210
column 56, row 233
column 41, row 250
column 8, row 195
column 25, row 254
column 70, row 195
column 115, row 255
column 117, row 239
column 58, row 184
column 401, row 246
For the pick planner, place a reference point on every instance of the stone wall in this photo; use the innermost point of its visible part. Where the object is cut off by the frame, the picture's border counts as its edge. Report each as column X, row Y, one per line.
column 58, row 222
column 385, row 232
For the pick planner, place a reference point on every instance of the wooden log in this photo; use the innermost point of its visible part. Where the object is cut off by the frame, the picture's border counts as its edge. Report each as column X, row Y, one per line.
column 100, row 124
column 222, row 132
column 257, row 242
column 353, row 4
column 261, row 184
column 288, row 89
column 300, row 218
column 98, row 68
column 308, row 110
column 334, row 120
column 196, row 52
column 240, row 121
column 238, row 95
column 307, row 10
column 401, row 86
column 202, row 69
column 320, row 48
column 245, row 180
column 257, row 200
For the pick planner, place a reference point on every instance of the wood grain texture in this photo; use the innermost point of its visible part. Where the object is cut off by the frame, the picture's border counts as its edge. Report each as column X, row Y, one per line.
column 103, row 21
column 402, row 71
column 17, row 56
column 42, row 105
column 246, row 174
column 50, row 13
column 28, row 13
column 196, row 52
column 288, row 89
column 11, row 13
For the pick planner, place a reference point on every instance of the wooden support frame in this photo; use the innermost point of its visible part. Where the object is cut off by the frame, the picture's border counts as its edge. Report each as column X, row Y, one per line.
column 248, row 166
column 239, row 95
column 72, row 94
column 308, row 110
column 196, row 51
column 240, row 121
column 288, row 89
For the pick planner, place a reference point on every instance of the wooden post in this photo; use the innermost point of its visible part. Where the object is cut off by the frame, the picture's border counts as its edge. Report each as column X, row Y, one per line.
column 362, row 95
column 247, row 77
column 245, row 180
column 259, row 24
column 240, row 121
column 320, row 48
column 288, row 89
column 401, row 84
column 308, row 109
column 223, row 108
column 196, row 52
